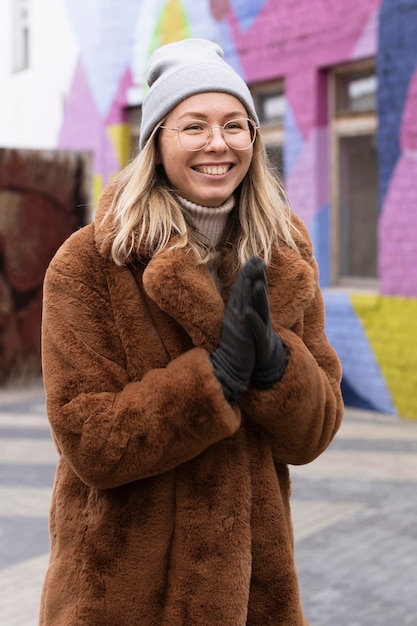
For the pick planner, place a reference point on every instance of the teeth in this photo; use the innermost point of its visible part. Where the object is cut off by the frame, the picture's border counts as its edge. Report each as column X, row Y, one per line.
column 214, row 170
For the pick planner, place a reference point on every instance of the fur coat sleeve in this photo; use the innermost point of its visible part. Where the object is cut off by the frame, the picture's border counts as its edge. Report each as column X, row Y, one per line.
column 122, row 405
column 303, row 411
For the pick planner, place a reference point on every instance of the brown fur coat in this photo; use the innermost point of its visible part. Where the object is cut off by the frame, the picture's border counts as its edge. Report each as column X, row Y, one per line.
column 171, row 507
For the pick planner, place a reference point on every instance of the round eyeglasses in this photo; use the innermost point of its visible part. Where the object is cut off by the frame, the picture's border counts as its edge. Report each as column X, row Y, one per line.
column 195, row 135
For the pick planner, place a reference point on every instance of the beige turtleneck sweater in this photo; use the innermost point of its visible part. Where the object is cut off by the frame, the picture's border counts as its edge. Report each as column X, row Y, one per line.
column 210, row 222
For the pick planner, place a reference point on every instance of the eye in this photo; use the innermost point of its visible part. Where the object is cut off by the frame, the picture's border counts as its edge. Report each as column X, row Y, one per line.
column 193, row 127
column 236, row 126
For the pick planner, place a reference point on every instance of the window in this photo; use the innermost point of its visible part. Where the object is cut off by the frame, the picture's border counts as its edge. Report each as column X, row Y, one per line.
column 269, row 101
column 134, row 118
column 20, row 35
column 354, row 173
column 356, row 92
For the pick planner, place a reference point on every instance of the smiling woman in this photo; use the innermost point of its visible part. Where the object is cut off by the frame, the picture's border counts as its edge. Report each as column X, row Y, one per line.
column 185, row 365
column 197, row 156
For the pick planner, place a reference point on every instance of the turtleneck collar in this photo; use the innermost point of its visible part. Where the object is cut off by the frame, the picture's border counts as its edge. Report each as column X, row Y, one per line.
column 209, row 221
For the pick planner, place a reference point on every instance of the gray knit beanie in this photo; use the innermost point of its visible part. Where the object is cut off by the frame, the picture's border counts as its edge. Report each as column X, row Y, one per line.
column 182, row 69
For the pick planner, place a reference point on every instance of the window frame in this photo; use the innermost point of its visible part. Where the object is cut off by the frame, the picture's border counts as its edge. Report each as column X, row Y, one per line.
column 133, row 116
column 21, row 35
column 352, row 124
column 272, row 131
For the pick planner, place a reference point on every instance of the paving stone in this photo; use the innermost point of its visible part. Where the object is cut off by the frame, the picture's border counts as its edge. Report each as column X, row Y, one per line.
column 354, row 510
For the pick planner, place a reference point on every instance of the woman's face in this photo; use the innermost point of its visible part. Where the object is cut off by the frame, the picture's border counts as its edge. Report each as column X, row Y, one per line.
column 208, row 176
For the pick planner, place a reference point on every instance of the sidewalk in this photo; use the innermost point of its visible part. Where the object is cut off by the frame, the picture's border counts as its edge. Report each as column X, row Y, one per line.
column 355, row 512
column 354, row 509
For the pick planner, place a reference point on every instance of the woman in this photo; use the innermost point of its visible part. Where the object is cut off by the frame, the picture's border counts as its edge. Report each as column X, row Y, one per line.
column 183, row 373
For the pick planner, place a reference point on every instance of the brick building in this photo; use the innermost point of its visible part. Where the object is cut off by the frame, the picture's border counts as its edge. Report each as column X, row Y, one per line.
column 336, row 90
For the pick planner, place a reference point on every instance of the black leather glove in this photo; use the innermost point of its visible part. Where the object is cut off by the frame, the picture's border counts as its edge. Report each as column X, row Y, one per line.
column 234, row 358
column 270, row 353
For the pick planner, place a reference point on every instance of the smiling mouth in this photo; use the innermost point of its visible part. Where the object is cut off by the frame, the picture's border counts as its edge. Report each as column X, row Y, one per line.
column 212, row 170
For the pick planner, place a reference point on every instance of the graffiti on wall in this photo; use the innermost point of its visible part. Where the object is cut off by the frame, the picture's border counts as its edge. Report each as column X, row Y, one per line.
column 41, row 204
column 297, row 40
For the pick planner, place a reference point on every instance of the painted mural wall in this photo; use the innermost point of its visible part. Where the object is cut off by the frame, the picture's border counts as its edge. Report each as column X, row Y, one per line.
column 92, row 64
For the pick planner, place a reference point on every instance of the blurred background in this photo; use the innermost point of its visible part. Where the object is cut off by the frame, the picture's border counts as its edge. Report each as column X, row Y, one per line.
column 335, row 84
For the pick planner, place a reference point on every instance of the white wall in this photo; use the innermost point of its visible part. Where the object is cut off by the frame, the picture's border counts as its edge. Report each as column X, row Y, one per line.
column 31, row 102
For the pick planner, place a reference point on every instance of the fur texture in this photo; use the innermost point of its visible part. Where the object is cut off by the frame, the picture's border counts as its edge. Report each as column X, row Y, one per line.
column 171, row 507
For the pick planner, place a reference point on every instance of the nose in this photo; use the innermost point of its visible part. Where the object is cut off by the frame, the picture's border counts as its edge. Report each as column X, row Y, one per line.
column 216, row 139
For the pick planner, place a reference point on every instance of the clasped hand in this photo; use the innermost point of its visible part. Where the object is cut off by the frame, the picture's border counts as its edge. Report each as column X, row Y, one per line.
column 249, row 351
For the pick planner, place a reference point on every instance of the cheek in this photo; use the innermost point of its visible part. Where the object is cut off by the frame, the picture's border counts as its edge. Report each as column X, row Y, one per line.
column 246, row 165
column 169, row 157
column 247, row 158
column 174, row 170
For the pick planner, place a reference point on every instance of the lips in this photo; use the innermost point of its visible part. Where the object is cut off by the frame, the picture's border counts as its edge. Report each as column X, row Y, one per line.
column 212, row 170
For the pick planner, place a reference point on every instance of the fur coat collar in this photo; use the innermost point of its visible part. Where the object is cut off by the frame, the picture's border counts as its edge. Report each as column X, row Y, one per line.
column 184, row 290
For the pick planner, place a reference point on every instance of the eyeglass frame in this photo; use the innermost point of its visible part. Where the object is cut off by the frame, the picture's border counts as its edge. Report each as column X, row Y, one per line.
column 210, row 127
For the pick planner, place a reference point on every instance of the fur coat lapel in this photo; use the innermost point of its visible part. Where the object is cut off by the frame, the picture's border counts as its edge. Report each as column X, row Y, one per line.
column 173, row 280
column 291, row 284
column 185, row 291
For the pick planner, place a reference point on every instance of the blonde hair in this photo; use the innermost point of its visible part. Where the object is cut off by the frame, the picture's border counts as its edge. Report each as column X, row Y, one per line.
column 145, row 211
